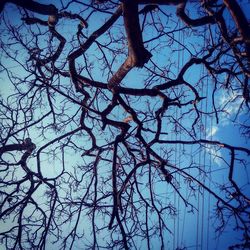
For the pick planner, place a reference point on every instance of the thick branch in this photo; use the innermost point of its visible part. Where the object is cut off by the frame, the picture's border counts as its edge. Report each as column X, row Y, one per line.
column 239, row 18
column 136, row 51
column 44, row 9
column 26, row 145
column 203, row 141
column 120, row 73
column 241, row 23
column 137, row 54
column 192, row 22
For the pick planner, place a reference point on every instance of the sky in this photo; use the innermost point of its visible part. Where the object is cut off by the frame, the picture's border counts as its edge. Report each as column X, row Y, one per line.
column 190, row 229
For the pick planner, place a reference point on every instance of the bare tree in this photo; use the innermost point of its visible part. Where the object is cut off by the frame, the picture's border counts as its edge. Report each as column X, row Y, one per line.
column 108, row 114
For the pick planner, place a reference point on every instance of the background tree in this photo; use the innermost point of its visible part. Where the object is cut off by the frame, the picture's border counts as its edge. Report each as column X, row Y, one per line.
column 109, row 112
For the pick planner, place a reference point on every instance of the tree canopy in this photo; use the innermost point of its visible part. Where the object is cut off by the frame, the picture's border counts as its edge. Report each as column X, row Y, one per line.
column 124, row 124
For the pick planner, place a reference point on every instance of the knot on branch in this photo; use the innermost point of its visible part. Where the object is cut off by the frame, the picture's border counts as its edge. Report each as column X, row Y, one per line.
column 52, row 20
column 29, row 145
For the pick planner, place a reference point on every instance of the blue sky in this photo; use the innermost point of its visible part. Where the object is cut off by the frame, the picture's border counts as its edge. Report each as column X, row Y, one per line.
column 190, row 228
